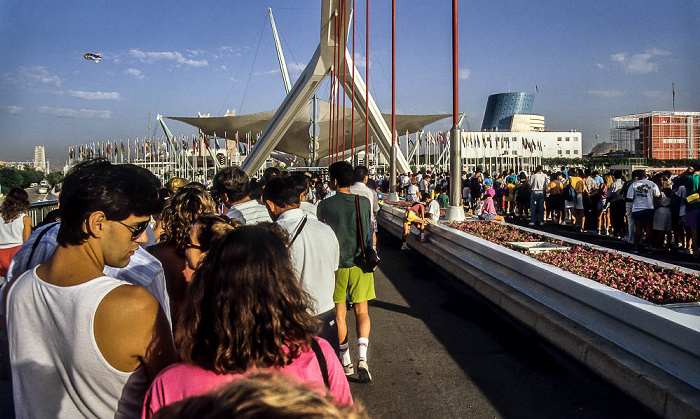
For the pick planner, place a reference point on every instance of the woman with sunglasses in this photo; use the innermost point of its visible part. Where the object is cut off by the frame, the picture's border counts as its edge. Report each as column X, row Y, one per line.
column 206, row 230
column 245, row 312
column 178, row 216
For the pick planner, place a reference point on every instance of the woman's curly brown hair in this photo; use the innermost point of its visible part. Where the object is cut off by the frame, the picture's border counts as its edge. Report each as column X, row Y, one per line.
column 16, row 202
column 245, row 307
column 181, row 211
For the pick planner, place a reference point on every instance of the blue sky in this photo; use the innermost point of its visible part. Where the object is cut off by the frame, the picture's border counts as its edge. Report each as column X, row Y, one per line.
column 589, row 60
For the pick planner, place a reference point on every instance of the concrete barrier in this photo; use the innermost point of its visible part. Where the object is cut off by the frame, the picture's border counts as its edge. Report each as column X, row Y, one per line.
column 649, row 351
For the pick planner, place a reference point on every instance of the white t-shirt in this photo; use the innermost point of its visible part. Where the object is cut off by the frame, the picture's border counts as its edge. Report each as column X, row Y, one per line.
column 315, row 256
column 412, row 193
column 643, row 193
column 434, row 210
column 12, row 233
column 538, row 182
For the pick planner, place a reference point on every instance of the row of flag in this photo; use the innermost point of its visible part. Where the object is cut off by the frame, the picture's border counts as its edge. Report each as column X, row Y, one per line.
column 145, row 146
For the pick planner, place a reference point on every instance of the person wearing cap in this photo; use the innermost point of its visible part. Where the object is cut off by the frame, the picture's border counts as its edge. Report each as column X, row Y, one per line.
column 488, row 208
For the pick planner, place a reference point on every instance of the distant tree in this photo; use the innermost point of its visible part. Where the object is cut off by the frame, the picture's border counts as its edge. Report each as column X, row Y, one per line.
column 31, row 176
column 14, row 178
column 10, row 178
column 54, row 178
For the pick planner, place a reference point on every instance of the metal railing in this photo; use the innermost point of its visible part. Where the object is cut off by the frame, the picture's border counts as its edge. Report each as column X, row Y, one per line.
column 38, row 210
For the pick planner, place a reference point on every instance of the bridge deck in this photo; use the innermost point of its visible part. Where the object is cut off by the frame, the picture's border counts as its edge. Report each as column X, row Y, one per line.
column 439, row 350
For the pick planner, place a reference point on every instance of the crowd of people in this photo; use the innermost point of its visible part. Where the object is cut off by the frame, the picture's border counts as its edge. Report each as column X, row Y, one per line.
column 145, row 300
column 661, row 210
column 151, row 301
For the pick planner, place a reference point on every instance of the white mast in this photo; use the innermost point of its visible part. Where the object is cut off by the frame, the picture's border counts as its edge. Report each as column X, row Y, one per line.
column 280, row 55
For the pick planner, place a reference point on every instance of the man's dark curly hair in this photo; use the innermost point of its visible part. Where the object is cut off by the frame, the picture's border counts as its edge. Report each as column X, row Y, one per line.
column 98, row 185
column 233, row 182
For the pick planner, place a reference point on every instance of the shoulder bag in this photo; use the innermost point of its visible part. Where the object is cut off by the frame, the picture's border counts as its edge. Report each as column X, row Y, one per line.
column 368, row 258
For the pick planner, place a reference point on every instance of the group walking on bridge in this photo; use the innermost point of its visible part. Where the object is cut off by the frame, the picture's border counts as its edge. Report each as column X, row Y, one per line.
column 144, row 301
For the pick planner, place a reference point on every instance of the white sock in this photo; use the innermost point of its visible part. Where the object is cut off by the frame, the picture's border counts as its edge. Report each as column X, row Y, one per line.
column 345, row 354
column 362, row 344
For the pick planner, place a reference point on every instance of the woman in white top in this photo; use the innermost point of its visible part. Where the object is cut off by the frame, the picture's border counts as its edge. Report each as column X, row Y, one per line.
column 15, row 226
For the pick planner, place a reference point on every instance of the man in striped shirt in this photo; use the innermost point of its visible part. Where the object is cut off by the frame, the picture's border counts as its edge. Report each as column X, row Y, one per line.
column 232, row 186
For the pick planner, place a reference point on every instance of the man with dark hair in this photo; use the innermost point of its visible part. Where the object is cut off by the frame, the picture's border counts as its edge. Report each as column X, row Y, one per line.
column 538, row 186
column 643, row 194
column 313, row 248
column 617, row 205
column 339, row 212
column 83, row 343
column 232, row 186
column 360, row 188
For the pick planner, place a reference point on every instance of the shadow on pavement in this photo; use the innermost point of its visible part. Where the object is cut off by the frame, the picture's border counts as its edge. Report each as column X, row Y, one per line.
column 495, row 367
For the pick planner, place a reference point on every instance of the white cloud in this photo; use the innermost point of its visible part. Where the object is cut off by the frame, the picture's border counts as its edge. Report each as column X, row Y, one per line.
column 619, row 57
column 639, row 63
column 33, row 76
column 360, row 61
column 94, row 95
column 135, row 73
column 76, row 113
column 298, row 67
column 605, row 93
column 137, row 53
column 657, row 51
column 223, row 67
column 149, row 57
column 267, row 73
column 12, row 110
column 601, row 66
column 657, row 94
column 194, row 52
column 464, row 73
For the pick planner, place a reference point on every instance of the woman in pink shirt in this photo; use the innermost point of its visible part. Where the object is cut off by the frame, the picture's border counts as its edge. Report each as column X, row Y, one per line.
column 245, row 311
column 488, row 208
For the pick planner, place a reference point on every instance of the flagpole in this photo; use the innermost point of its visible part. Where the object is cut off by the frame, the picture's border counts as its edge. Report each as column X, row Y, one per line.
column 455, row 211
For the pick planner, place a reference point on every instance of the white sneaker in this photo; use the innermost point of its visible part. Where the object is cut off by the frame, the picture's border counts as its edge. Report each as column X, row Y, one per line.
column 404, row 246
column 363, row 371
column 349, row 369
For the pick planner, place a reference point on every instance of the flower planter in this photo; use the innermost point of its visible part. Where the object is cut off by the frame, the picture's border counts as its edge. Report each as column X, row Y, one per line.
column 649, row 351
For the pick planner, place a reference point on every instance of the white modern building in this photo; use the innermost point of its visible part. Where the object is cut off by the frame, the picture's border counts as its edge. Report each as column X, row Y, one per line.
column 40, row 162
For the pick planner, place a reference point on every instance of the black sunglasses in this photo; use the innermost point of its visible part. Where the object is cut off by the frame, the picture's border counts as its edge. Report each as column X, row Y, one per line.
column 189, row 245
column 137, row 230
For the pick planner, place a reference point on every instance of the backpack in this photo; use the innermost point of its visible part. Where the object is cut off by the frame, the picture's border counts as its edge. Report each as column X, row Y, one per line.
column 568, row 193
column 523, row 191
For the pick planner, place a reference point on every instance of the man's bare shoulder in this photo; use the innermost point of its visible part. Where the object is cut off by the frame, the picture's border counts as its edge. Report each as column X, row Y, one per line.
column 130, row 302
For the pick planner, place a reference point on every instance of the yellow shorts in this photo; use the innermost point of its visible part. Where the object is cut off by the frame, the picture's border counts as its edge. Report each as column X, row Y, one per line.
column 410, row 217
column 358, row 284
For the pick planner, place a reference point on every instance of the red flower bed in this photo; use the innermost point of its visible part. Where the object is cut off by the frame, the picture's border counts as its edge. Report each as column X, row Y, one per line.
column 647, row 281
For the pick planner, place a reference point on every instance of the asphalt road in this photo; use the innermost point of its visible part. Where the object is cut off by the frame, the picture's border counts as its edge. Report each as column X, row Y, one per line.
column 438, row 350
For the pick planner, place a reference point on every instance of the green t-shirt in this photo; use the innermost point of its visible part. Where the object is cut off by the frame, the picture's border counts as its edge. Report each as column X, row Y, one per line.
column 339, row 213
column 692, row 185
column 443, row 200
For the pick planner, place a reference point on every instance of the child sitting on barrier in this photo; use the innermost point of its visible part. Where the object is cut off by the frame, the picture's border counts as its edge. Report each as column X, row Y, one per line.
column 415, row 215
column 486, row 209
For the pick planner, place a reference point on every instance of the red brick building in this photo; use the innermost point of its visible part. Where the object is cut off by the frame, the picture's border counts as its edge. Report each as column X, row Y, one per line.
column 658, row 134
column 670, row 135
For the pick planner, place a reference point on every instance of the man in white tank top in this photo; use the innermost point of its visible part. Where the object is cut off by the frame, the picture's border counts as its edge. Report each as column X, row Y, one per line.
column 83, row 344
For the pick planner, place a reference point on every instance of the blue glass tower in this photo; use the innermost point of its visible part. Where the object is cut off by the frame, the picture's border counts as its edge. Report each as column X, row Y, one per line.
column 501, row 107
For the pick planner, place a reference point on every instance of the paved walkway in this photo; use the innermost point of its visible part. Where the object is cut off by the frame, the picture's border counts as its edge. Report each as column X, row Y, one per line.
column 437, row 350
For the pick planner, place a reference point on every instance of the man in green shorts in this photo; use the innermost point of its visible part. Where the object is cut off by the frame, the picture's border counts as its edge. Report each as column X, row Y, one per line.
column 340, row 214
